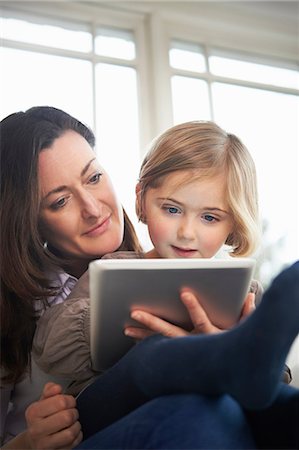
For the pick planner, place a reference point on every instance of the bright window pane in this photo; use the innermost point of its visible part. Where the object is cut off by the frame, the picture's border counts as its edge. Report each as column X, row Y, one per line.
column 190, row 99
column 267, row 122
column 259, row 73
column 187, row 56
column 28, row 79
column 49, row 35
column 117, row 129
column 115, row 43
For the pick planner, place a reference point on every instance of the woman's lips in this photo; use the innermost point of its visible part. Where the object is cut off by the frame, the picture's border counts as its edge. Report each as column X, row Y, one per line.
column 184, row 252
column 98, row 229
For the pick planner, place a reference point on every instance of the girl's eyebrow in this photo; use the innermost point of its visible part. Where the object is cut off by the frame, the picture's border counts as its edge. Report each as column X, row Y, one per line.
column 208, row 208
column 169, row 199
column 63, row 187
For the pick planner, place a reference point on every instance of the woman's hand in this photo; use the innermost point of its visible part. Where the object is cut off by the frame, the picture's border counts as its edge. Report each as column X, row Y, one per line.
column 201, row 322
column 53, row 420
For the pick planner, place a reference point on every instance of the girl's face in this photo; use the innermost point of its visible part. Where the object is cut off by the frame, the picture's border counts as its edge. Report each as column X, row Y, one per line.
column 80, row 214
column 188, row 220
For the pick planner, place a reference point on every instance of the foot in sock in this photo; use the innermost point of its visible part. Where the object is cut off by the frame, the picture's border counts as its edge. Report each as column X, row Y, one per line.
column 265, row 339
column 245, row 362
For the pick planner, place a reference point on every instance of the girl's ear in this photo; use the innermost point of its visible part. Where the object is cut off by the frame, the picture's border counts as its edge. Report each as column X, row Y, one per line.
column 138, row 203
column 138, row 189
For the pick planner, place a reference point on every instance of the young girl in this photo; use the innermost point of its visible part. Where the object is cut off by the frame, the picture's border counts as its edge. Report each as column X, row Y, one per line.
column 197, row 194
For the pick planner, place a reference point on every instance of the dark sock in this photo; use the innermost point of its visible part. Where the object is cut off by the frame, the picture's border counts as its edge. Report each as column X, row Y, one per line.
column 245, row 362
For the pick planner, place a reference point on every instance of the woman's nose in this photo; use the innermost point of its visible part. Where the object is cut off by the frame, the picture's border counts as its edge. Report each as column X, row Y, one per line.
column 90, row 206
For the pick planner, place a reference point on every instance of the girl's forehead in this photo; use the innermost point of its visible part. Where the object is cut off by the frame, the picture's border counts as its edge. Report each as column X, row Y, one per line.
column 192, row 191
column 184, row 177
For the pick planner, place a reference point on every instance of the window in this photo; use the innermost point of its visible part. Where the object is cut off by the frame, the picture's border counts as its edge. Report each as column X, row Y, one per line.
column 87, row 70
column 115, row 70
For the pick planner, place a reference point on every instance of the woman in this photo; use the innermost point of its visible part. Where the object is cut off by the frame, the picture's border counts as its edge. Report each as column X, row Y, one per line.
column 70, row 220
column 33, row 276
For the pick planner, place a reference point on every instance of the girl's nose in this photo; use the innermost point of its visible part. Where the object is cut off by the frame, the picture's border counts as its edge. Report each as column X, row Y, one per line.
column 186, row 230
column 90, row 207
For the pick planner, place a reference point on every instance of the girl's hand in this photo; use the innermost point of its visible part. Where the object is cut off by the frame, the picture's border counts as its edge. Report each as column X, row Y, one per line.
column 199, row 318
column 53, row 420
column 248, row 307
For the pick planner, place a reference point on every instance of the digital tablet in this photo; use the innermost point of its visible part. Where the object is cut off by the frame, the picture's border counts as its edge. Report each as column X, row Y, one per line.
column 119, row 286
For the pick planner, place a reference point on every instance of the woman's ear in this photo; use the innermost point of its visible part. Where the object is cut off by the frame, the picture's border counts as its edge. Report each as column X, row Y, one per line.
column 139, row 202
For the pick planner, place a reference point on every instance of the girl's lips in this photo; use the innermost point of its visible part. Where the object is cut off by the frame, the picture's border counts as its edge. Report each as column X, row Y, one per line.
column 99, row 229
column 184, row 253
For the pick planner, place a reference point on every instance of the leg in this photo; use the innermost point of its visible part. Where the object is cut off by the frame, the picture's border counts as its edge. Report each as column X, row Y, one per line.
column 277, row 427
column 245, row 362
column 178, row 422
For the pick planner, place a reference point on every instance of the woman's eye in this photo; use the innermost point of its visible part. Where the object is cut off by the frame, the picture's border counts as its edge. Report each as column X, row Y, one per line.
column 95, row 178
column 58, row 204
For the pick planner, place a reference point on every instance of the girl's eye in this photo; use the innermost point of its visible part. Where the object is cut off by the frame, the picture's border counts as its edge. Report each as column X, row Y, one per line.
column 209, row 218
column 95, row 178
column 172, row 209
column 58, row 204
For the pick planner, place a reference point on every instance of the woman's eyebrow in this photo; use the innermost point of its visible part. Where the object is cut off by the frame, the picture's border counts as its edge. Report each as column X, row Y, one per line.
column 85, row 169
column 63, row 187
column 54, row 191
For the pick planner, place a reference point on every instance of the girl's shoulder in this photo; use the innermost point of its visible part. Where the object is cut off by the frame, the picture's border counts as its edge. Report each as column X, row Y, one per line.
column 124, row 255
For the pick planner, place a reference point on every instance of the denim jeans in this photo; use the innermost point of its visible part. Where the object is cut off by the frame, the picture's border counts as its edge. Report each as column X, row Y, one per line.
column 183, row 421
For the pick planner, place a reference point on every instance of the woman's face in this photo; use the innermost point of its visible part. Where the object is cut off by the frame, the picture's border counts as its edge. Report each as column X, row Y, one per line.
column 79, row 214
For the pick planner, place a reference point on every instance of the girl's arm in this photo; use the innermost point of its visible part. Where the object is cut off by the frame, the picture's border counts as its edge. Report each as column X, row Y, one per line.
column 61, row 344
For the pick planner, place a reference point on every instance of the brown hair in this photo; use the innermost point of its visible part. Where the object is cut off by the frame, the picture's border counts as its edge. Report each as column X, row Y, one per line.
column 205, row 149
column 24, row 262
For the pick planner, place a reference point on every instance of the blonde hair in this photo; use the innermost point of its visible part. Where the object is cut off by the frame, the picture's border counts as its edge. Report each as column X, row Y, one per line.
column 204, row 147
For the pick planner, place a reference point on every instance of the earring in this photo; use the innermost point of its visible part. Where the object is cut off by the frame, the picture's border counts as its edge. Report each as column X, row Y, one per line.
column 45, row 245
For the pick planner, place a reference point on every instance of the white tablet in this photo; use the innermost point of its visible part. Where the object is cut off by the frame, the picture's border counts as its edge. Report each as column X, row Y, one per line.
column 119, row 286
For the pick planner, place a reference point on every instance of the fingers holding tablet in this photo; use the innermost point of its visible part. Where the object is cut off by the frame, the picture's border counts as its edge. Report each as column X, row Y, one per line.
column 152, row 324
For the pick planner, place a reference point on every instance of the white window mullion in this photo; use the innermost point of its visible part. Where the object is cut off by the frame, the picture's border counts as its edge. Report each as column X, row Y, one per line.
column 160, row 73
column 207, row 54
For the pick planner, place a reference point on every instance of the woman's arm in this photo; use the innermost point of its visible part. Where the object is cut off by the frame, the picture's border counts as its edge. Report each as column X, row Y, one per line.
column 20, row 442
column 52, row 422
